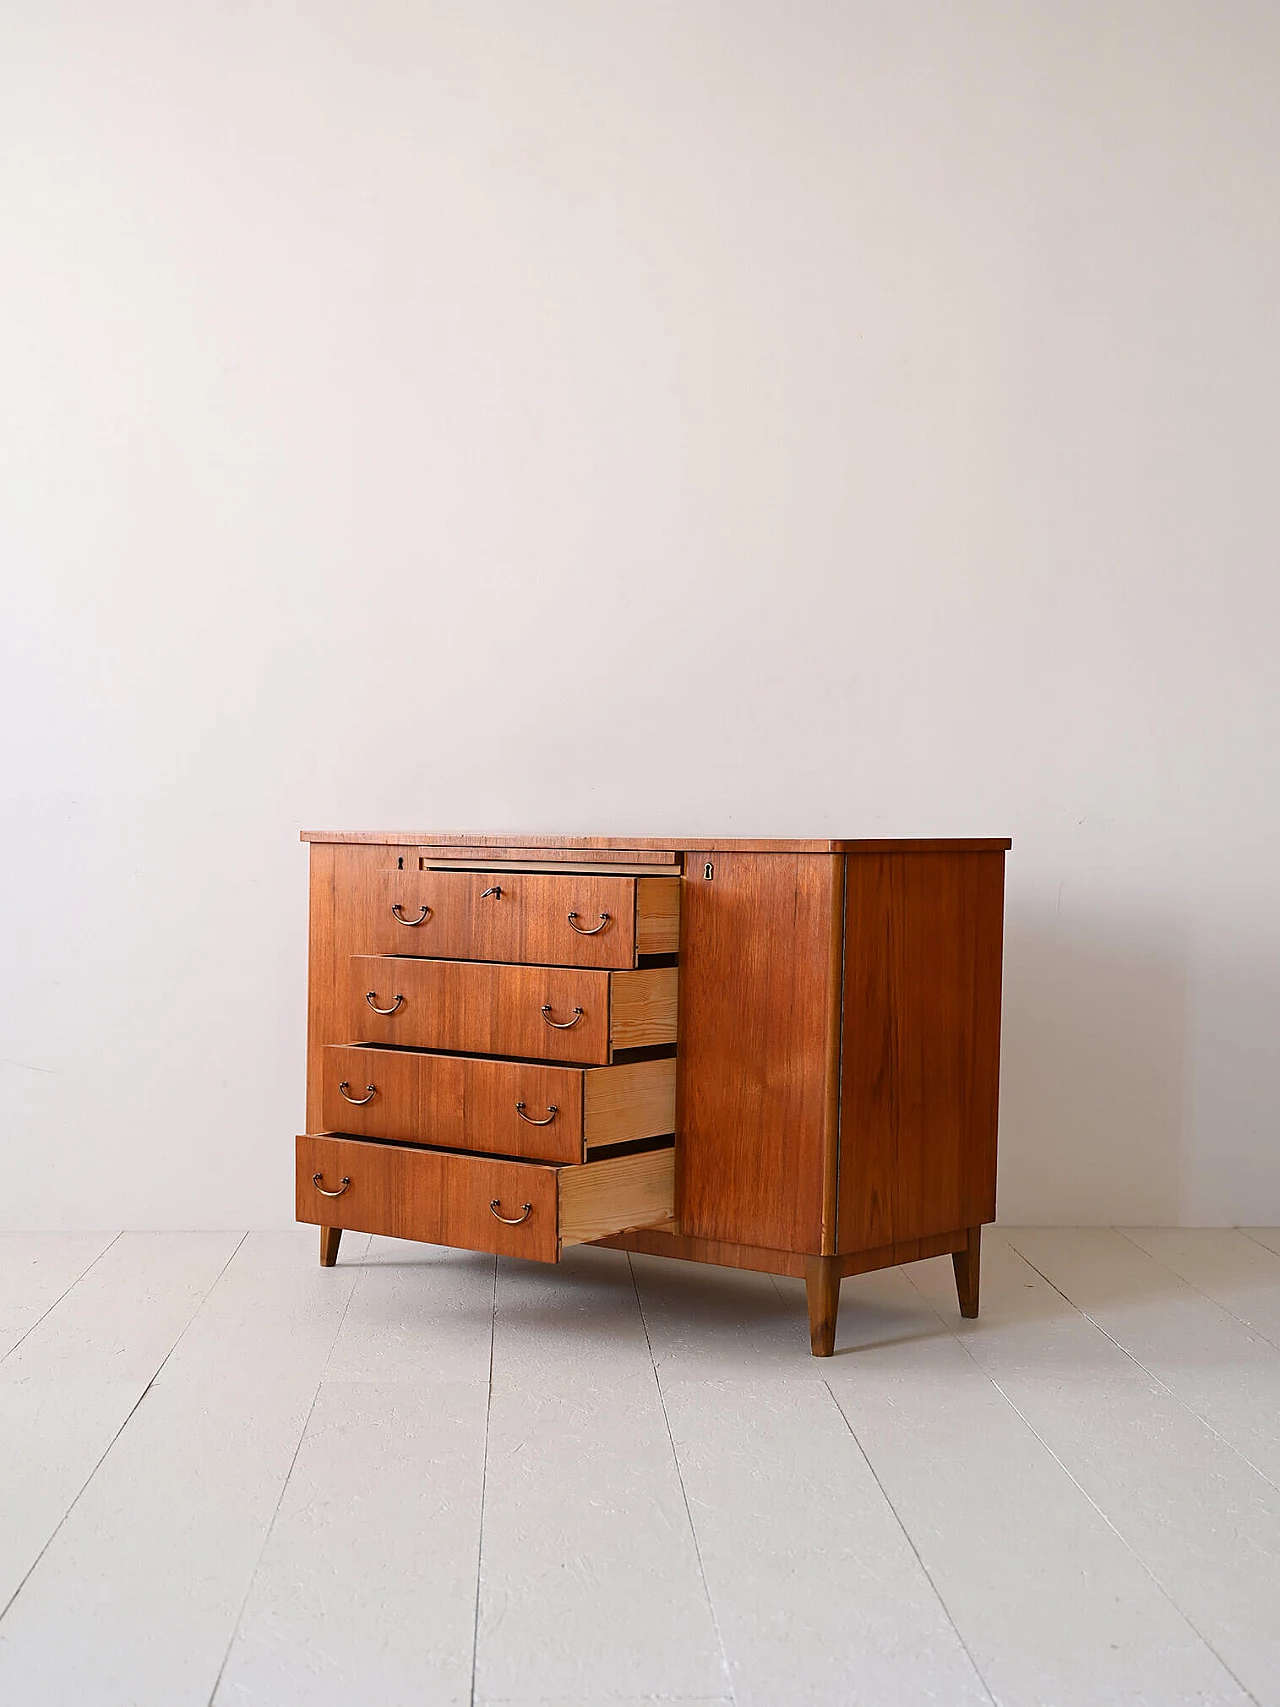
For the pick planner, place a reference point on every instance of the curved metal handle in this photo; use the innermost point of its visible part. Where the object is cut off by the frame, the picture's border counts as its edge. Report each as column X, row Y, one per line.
column 359, row 1102
column 552, row 1111
column 372, row 999
column 400, row 918
column 496, row 892
column 560, row 1024
column 595, row 929
column 316, row 1178
column 510, row 1220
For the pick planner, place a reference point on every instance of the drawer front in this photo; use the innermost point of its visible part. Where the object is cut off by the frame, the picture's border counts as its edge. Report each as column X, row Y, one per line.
column 528, row 918
column 431, row 1195
column 455, row 1102
column 546, row 1013
column 448, row 1199
column 505, row 1108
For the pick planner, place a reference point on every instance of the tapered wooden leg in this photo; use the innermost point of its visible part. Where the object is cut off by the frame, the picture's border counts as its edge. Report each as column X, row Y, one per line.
column 822, row 1288
column 967, row 1264
column 330, row 1238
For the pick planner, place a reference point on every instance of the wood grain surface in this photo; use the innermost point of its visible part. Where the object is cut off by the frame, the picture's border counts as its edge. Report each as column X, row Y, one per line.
column 436, row 1196
column 337, row 872
column 614, row 845
column 663, row 1242
column 444, row 1198
column 519, row 917
column 460, row 1102
column 624, row 1191
column 456, row 1102
column 757, row 986
column 921, row 1045
column 634, row 1100
column 477, row 1008
column 619, row 853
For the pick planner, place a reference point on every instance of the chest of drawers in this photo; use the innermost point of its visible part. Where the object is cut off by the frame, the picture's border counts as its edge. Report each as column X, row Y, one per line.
column 775, row 1055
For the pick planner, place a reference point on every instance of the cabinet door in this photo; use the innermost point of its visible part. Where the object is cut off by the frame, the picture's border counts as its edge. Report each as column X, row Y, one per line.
column 759, row 1020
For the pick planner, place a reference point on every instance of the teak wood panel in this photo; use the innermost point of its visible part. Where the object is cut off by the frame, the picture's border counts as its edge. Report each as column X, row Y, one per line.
column 458, row 1102
column 430, row 1195
column 758, row 978
column 477, row 1008
column 443, row 1198
column 623, row 1191
column 644, row 1007
column 578, row 846
column 455, row 1103
column 634, row 1100
column 664, row 1242
column 334, row 936
column 615, row 853
column 921, row 1045
column 520, row 917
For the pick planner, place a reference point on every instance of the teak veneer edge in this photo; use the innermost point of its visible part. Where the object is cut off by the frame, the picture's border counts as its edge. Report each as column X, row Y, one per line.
column 660, row 844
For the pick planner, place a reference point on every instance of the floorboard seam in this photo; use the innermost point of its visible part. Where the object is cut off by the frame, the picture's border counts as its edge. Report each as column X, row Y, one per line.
column 1199, row 1290
column 1261, row 1243
column 133, row 1411
column 302, row 1435
column 484, row 1477
column 1084, row 1492
column 1149, row 1373
column 65, row 1291
column 910, row 1540
column 684, row 1492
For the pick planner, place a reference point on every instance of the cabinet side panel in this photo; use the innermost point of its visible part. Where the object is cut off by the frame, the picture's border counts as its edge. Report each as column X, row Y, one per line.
column 337, row 930
column 920, row 1061
column 757, row 985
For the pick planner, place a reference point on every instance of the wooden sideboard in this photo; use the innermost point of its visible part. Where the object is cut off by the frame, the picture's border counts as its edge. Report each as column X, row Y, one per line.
column 774, row 1055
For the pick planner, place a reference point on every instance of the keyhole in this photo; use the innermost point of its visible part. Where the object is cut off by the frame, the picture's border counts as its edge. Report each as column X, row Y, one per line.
column 708, row 871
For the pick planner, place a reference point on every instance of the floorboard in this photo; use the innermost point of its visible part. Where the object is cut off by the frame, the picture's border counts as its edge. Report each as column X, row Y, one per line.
column 366, row 1587
column 590, row 1583
column 1238, row 1273
column 1222, row 1370
column 36, row 1270
column 150, row 1568
column 71, row 1384
column 1204, row 1523
column 805, row 1556
column 1052, row 1604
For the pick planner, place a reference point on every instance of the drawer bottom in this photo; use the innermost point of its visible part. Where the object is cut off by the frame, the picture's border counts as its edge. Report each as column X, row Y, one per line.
column 476, row 1203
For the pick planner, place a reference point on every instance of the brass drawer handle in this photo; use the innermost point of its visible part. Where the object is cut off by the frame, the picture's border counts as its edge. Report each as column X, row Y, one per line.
column 509, row 1220
column 560, row 1024
column 372, row 999
column 595, row 929
column 316, row 1178
column 400, row 918
column 552, row 1111
column 358, row 1102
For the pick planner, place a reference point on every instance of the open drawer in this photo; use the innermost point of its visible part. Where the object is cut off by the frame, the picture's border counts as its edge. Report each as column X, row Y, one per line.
column 530, row 918
column 535, row 1013
column 508, row 1108
column 520, row 1209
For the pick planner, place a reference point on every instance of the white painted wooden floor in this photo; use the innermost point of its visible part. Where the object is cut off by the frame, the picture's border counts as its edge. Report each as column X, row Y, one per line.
column 228, row 1476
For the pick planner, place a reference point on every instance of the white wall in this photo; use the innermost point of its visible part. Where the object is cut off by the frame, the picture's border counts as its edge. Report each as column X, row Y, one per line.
column 780, row 418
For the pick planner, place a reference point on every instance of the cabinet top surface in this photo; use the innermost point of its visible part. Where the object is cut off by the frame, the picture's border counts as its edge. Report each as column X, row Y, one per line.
column 699, row 844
